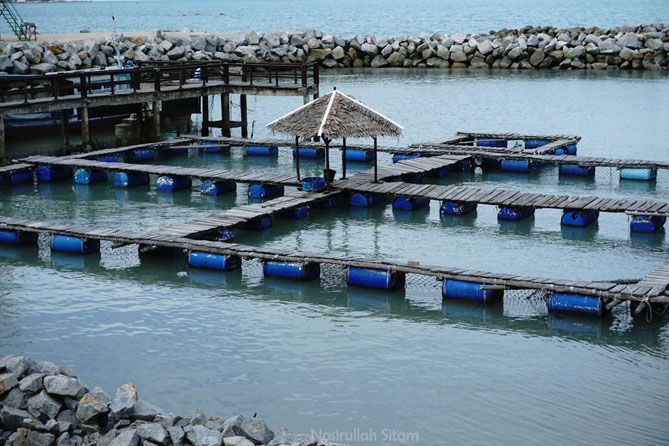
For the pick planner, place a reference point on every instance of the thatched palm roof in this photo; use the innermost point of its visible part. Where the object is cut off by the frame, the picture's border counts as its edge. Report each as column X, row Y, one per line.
column 335, row 115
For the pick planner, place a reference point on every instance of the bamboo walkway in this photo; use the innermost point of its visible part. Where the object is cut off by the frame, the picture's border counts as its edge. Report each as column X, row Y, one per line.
column 604, row 290
column 256, row 176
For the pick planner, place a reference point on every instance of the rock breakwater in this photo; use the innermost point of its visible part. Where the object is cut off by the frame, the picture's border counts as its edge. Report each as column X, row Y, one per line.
column 43, row 404
column 626, row 47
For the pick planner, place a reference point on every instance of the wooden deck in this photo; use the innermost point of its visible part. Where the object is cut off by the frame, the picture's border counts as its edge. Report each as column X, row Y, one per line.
column 604, row 290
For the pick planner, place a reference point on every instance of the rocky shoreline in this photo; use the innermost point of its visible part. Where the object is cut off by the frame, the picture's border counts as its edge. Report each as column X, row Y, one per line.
column 640, row 47
column 43, row 404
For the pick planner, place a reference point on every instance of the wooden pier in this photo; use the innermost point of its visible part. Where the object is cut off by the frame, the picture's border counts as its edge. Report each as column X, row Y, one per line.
column 608, row 291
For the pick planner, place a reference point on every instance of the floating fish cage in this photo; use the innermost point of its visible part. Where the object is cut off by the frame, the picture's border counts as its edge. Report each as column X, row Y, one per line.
column 259, row 190
column 464, row 290
column 366, row 199
column 18, row 238
column 20, row 176
column 217, row 187
column 647, row 223
column 72, row 244
column 409, row 203
column 259, row 223
column 130, row 179
column 89, row 176
column 221, row 262
column 514, row 213
column 491, row 142
column 579, row 217
column 456, row 208
column 397, row 157
column 262, row 151
column 375, row 278
column 575, row 169
column 49, row 174
column 309, row 152
column 576, row 303
column 170, row 183
column 313, row 184
column 522, row 166
column 359, row 155
column 535, row 143
column 638, row 173
column 108, row 159
column 225, row 234
column 290, row 270
column 140, row 155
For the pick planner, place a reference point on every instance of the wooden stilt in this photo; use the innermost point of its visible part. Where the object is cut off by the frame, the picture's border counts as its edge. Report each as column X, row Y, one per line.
column 64, row 128
column 156, row 119
column 3, row 153
column 225, row 114
column 297, row 157
column 85, row 129
column 244, row 116
column 205, row 115
column 376, row 162
column 343, row 158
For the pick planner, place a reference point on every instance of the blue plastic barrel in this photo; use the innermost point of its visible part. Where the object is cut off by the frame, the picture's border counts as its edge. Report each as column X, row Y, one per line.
column 175, row 151
column 571, row 149
column 638, row 173
column 258, row 224
column 213, row 147
column 491, row 142
column 464, row 290
column 647, row 223
column 288, row 270
column 209, row 260
column 560, row 151
column 535, row 143
column 397, row 157
column 409, row 204
column 258, row 190
column 130, row 179
column 441, row 172
column 522, row 166
column 313, row 183
column 19, row 238
column 140, row 155
column 108, row 158
column 77, row 245
column 366, row 199
column 309, row 152
column 225, row 234
column 576, row 303
column 456, row 208
column 89, row 176
column 579, row 217
column 575, row 169
column 52, row 173
column 375, row 278
column 20, row 176
column 462, row 166
column 262, row 151
column 359, row 155
column 168, row 183
column 296, row 213
column 217, row 187
column 514, row 213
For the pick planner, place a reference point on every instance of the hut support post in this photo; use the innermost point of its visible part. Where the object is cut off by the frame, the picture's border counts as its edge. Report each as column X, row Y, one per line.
column 245, row 117
column 225, row 113
column 343, row 159
column 297, row 157
column 85, row 129
column 65, row 134
column 205, row 115
column 2, row 139
column 376, row 162
column 156, row 120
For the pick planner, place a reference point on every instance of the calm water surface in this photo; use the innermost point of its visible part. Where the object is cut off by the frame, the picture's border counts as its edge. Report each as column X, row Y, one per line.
column 337, row 360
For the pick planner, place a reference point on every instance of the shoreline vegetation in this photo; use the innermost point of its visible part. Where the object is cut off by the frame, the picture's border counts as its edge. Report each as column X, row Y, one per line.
column 638, row 47
column 43, row 404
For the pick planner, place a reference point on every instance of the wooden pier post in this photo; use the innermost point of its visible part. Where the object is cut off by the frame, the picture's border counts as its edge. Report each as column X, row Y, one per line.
column 2, row 140
column 343, row 158
column 244, row 115
column 376, row 163
column 85, row 129
column 225, row 113
column 156, row 119
column 205, row 115
column 64, row 128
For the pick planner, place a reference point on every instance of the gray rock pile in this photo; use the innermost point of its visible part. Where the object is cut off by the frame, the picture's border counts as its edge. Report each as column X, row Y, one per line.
column 42, row 404
column 626, row 47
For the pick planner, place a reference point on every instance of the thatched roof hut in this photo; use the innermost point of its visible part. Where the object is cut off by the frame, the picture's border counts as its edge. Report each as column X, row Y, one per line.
column 334, row 116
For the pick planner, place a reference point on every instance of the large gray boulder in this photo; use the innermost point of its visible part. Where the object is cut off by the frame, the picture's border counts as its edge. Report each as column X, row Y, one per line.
column 93, row 406
column 62, row 385
column 485, row 47
column 126, row 437
column 203, row 436
column 7, row 382
column 537, row 57
column 43, row 68
column 145, row 411
column 11, row 419
column 369, row 48
column 32, row 383
column 6, row 63
column 45, row 404
column 26, row 437
column 630, row 40
column 153, row 432
column 124, row 401
column 396, row 59
column 257, row 431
